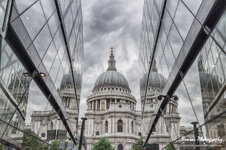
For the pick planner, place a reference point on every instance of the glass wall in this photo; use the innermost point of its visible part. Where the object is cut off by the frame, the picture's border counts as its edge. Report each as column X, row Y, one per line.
column 201, row 93
column 42, row 36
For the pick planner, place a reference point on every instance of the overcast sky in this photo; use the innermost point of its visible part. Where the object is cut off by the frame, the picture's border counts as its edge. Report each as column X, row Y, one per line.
column 109, row 23
column 117, row 23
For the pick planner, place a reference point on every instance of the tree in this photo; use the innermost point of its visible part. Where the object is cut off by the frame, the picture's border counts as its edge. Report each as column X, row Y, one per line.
column 55, row 145
column 138, row 145
column 170, row 146
column 103, row 144
column 32, row 141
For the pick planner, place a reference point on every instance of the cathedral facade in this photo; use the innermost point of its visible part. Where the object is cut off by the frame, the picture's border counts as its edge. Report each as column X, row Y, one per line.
column 112, row 114
column 112, row 111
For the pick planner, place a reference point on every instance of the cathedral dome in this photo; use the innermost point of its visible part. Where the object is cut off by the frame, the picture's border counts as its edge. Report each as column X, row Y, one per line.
column 209, row 82
column 156, row 80
column 111, row 77
column 67, row 80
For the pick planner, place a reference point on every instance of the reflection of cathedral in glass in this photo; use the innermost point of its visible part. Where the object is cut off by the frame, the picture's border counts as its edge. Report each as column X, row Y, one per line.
column 168, row 125
column 66, row 91
column 214, row 100
column 47, row 123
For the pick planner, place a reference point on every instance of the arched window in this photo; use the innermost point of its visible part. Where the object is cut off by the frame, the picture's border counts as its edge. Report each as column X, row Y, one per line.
column 120, row 125
column 51, row 125
column 108, row 103
column 102, row 106
column 132, row 126
column 97, row 133
column 106, row 126
column 98, row 104
column 120, row 147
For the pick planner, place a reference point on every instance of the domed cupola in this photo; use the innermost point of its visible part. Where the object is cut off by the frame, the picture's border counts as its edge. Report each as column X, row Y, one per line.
column 156, row 80
column 111, row 77
column 208, row 82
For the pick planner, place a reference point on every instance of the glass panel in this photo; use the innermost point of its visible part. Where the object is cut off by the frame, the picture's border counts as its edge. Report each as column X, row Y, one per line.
column 58, row 38
column 53, row 23
column 42, row 41
column 55, row 68
column 31, row 23
column 175, row 41
column 172, row 6
column 21, row 5
column 183, row 20
column 193, row 5
column 167, row 22
column 219, row 32
column 48, row 6
column 49, row 56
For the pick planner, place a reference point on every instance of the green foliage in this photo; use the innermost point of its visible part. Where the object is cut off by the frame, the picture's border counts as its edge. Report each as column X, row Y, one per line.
column 103, row 144
column 138, row 145
column 1, row 147
column 170, row 147
column 55, row 145
column 33, row 142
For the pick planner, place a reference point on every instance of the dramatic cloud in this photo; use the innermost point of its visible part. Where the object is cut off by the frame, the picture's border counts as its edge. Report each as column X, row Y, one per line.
column 109, row 23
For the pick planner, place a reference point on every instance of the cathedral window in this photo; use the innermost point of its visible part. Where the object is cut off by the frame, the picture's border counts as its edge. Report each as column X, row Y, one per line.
column 118, row 100
column 108, row 103
column 116, row 89
column 14, row 129
column 94, row 106
column 102, row 106
column 120, row 147
column 97, row 133
column 120, row 126
column 220, row 130
column 106, row 126
column 68, row 102
column 51, row 125
column 43, row 135
column 132, row 126
column 113, row 100
column 98, row 104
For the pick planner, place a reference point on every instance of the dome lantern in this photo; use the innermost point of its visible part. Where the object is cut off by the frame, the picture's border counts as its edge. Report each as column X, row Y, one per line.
column 111, row 77
column 111, row 61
